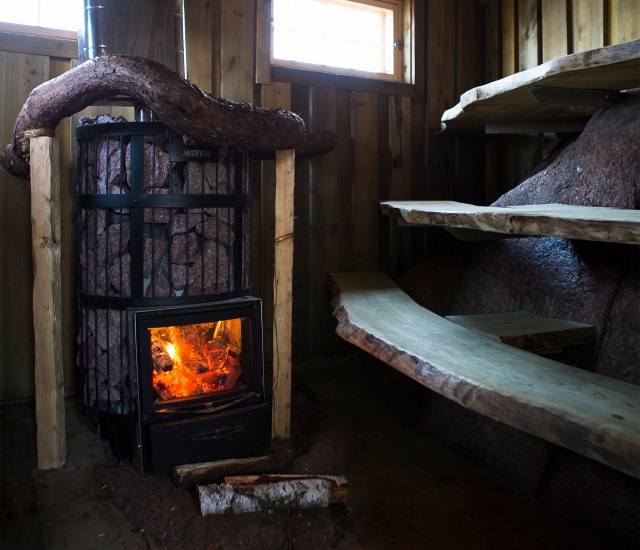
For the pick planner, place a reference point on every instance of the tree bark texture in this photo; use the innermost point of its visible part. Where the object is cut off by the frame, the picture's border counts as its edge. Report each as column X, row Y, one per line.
column 182, row 106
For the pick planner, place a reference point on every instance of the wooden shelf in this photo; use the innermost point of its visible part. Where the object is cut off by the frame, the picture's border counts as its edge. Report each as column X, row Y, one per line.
column 593, row 415
column 554, row 220
column 509, row 101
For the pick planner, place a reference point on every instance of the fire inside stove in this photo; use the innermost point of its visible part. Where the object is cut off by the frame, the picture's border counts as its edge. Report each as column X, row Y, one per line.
column 198, row 359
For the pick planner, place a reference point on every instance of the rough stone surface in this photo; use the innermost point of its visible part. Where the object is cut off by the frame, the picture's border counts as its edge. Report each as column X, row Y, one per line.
column 158, row 215
column 601, row 168
column 107, row 336
column 118, row 236
column 179, row 248
column 156, row 165
column 587, row 282
column 113, row 365
column 214, row 176
column 179, row 223
column 107, row 168
column 88, row 274
column 96, row 223
column 120, row 270
column 159, row 286
column 157, row 248
column 217, row 229
column 216, row 270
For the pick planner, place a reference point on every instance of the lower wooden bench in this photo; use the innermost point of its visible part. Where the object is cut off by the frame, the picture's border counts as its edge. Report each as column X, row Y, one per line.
column 593, row 415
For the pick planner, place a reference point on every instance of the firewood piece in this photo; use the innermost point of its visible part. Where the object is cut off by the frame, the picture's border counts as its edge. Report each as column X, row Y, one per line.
column 181, row 105
column 160, row 359
column 243, row 494
column 312, row 144
column 187, row 342
column 274, row 460
column 235, row 370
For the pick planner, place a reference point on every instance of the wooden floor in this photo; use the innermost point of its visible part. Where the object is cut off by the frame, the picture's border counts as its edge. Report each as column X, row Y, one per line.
column 406, row 491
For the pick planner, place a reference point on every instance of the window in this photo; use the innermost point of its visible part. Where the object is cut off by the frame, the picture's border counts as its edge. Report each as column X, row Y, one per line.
column 357, row 37
column 54, row 14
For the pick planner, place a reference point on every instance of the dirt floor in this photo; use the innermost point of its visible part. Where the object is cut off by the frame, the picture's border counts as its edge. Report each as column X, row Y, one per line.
column 406, row 491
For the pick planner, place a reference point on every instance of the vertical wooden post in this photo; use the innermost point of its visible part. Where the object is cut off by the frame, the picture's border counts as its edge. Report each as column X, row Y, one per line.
column 47, row 301
column 282, row 293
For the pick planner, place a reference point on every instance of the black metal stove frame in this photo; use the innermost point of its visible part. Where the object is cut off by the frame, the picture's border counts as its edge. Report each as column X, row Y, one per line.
column 194, row 428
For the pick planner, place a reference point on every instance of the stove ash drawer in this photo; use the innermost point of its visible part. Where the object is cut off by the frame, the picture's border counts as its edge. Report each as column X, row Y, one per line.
column 231, row 434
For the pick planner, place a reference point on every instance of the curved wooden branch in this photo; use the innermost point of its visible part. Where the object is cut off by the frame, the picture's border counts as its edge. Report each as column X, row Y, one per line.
column 182, row 106
column 312, row 144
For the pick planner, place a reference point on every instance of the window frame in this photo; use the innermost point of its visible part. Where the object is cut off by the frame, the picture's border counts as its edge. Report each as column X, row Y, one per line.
column 398, row 43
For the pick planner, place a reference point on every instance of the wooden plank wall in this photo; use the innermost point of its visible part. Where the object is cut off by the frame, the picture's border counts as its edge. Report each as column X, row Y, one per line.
column 521, row 34
column 22, row 68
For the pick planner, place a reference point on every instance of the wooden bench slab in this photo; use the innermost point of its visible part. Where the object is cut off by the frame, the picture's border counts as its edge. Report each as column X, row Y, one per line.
column 555, row 220
column 508, row 100
column 564, row 341
column 590, row 414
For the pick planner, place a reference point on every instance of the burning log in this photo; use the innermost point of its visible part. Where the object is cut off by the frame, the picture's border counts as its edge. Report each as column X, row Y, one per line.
column 243, row 494
column 187, row 342
column 181, row 105
column 160, row 358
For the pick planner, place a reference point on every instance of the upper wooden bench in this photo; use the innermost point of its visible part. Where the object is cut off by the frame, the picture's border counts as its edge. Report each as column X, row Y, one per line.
column 593, row 415
column 555, row 220
column 495, row 106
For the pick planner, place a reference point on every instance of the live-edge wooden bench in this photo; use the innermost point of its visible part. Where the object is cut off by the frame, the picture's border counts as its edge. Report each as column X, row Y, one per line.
column 593, row 415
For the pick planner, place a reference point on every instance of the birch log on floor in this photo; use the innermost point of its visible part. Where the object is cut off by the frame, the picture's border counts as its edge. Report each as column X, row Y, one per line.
column 243, row 494
column 47, row 302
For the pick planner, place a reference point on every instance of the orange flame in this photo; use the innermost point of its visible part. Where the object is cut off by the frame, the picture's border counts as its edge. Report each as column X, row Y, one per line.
column 192, row 360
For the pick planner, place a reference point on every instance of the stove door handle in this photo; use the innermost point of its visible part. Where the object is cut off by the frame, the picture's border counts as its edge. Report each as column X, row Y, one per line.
column 217, row 434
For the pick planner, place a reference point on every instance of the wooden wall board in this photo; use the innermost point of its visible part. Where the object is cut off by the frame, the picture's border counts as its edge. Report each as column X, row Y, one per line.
column 365, row 167
column 588, row 24
column 38, row 45
column 19, row 74
column 624, row 20
column 200, row 17
column 593, row 415
column 263, row 42
column 509, row 100
column 440, row 95
column 492, row 41
column 328, row 243
column 302, row 326
column 510, row 37
column 554, row 29
column 556, row 220
column 400, row 152
column 46, row 238
column 528, row 35
column 237, row 51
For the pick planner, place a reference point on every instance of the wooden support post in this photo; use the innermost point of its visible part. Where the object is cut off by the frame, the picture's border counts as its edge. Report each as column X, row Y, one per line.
column 47, row 302
column 282, row 293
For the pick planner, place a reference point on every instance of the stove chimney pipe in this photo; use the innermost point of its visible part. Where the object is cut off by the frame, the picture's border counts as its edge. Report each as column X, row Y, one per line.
column 96, row 32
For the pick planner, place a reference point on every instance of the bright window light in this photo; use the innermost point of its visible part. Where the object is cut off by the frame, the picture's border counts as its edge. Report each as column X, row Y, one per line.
column 54, row 14
column 336, row 35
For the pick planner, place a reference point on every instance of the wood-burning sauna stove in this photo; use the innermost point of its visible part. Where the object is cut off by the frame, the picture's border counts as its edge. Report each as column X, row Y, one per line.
column 170, row 340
